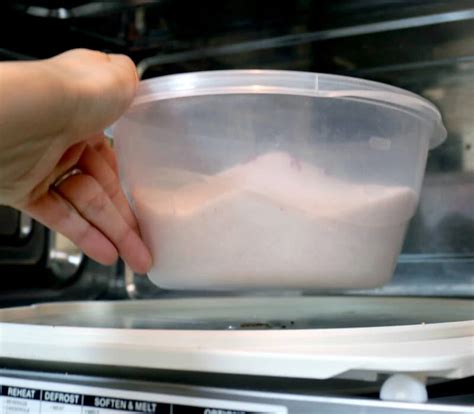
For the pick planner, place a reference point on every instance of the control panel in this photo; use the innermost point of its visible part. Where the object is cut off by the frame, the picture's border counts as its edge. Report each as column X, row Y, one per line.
column 41, row 397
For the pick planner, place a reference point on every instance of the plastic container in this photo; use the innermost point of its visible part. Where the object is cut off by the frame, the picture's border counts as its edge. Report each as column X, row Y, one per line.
column 272, row 179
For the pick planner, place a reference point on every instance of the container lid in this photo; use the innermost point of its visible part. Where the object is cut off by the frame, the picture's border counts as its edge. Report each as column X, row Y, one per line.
column 290, row 83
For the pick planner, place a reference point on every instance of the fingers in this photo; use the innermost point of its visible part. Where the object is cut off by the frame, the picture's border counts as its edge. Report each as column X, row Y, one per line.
column 92, row 202
column 91, row 209
column 57, row 214
column 92, row 163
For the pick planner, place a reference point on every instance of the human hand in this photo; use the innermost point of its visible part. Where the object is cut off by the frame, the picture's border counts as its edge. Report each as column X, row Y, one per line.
column 52, row 114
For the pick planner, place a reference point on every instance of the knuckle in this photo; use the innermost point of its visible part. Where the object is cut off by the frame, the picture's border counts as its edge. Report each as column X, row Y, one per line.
column 68, row 219
column 115, row 190
column 64, row 220
column 123, row 235
column 82, row 233
column 112, row 188
column 96, row 204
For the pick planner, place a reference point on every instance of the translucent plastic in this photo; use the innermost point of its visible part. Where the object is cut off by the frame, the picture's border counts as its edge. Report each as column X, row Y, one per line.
column 274, row 179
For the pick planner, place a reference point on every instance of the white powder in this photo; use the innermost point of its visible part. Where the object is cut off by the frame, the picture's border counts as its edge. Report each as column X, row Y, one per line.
column 273, row 222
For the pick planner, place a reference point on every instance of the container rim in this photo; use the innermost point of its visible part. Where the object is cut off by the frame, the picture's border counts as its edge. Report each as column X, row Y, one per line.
column 258, row 81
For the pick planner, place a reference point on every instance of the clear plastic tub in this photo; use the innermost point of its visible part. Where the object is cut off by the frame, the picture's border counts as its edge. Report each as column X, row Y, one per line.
column 272, row 179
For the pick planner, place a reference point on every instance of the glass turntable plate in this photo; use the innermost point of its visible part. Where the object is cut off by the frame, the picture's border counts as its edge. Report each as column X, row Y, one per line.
column 293, row 337
column 246, row 313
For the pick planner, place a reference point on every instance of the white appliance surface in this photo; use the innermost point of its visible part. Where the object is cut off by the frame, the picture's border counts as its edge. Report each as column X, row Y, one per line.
column 299, row 337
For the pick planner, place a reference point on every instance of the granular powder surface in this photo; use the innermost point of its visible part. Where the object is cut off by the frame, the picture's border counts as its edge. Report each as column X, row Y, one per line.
column 273, row 222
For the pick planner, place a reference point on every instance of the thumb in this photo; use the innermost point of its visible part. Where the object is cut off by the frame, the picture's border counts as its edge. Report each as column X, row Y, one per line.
column 102, row 86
